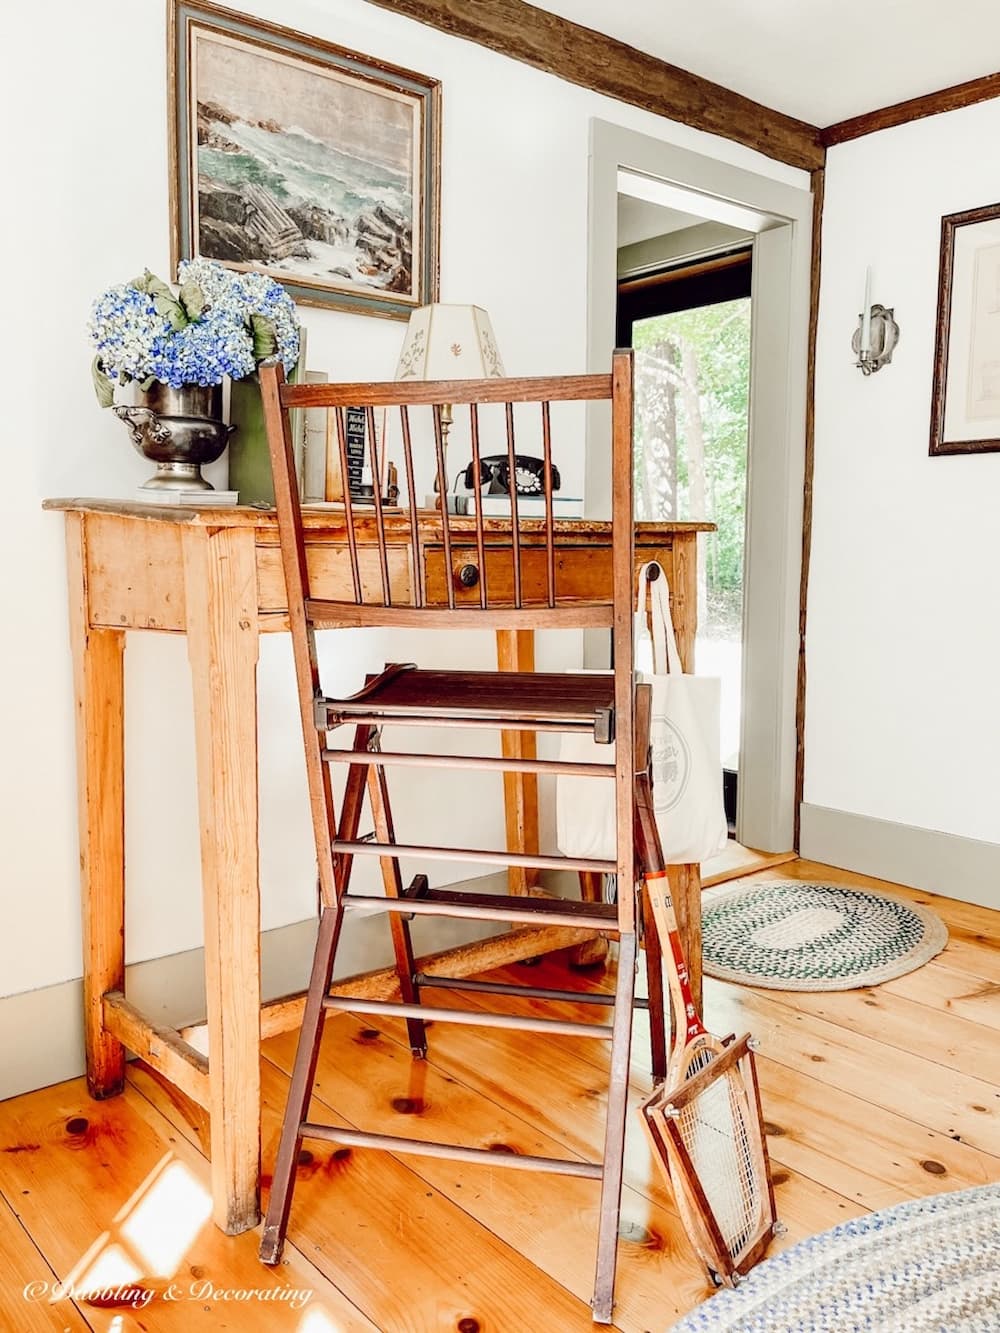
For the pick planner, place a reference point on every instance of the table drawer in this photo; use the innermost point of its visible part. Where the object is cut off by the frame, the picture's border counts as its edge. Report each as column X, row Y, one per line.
column 582, row 573
column 330, row 575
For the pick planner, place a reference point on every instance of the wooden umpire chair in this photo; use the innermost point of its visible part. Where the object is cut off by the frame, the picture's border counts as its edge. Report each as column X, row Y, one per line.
column 523, row 593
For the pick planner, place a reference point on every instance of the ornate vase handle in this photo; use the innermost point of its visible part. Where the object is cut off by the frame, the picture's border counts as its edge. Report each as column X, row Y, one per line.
column 136, row 417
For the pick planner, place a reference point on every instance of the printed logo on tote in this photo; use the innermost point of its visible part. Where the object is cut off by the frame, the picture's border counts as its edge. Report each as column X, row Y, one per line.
column 671, row 763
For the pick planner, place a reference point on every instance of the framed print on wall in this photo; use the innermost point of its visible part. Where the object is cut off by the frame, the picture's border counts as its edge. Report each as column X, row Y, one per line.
column 297, row 158
column 965, row 407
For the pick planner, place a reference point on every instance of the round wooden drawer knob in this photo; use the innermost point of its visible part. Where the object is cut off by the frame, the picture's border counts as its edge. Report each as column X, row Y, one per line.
column 467, row 576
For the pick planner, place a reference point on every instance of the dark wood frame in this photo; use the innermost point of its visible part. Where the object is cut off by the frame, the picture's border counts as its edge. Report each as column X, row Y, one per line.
column 949, row 225
column 271, row 37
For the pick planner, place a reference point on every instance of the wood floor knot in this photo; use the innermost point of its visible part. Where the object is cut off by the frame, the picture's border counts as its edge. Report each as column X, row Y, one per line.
column 408, row 1105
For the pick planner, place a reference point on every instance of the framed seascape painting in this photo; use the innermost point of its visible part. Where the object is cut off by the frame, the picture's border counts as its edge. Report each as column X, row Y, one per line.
column 300, row 159
column 965, row 407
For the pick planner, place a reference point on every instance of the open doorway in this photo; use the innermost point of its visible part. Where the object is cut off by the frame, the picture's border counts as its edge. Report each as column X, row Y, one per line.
column 774, row 213
column 684, row 292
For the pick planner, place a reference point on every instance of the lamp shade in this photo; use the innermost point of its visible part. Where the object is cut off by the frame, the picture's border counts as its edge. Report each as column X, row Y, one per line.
column 449, row 342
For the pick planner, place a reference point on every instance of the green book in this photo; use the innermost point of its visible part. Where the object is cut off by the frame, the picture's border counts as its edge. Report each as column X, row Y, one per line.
column 249, row 459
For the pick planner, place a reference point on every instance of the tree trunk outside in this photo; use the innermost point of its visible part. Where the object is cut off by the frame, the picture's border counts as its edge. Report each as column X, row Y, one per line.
column 694, row 439
column 656, row 409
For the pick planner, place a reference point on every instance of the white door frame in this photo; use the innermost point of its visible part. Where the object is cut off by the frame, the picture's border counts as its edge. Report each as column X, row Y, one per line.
column 776, row 463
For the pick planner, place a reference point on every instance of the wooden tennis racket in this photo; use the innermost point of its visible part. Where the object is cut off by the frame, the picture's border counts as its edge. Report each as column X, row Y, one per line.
column 704, row 1121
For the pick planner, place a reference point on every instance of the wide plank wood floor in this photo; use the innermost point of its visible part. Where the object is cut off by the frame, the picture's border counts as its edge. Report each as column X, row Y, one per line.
column 871, row 1097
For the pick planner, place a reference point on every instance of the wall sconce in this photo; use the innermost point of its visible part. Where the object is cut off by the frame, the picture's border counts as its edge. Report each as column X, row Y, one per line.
column 876, row 336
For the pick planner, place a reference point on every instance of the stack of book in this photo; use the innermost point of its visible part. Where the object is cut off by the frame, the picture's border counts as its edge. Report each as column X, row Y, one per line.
column 529, row 506
column 188, row 499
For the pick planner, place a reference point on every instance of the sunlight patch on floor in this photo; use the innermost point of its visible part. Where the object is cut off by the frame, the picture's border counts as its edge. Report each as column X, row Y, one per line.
column 150, row 1235
column 318, row 1321
column 112, row 1269
column 165, row 1222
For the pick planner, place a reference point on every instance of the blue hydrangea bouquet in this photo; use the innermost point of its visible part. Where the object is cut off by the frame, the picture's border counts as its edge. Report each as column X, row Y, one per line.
column 218, row 323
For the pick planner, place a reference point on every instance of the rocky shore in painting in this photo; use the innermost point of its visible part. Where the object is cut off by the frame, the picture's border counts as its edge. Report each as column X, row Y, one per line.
column 279, row 196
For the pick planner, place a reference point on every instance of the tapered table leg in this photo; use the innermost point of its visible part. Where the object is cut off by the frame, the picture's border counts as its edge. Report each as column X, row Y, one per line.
column 221, row 600
column 98, row 686
column 516, row 652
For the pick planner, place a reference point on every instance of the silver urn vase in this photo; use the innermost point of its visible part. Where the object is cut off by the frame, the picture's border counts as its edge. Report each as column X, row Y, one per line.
column 178, row 430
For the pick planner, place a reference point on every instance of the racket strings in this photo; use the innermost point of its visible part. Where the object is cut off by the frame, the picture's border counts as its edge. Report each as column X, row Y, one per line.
column 713, row 1128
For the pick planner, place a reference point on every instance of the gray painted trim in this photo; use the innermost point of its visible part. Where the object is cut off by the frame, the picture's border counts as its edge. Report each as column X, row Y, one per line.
column 782, row 258
column 41, row 1031
column 963, row 868
column 773, row 554
column 168, row 990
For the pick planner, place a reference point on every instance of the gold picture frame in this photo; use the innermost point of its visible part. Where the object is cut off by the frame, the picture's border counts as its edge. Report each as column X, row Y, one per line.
column 303, row 160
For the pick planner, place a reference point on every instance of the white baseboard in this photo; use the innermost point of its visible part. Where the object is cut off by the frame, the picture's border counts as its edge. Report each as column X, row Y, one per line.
column 963, row 868
column 41, row 1031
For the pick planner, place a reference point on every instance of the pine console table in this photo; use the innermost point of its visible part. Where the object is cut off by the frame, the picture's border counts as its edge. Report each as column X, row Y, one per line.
column 215, row 575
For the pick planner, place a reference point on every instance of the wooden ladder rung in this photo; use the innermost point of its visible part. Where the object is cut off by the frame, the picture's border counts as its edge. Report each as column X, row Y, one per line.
column 356, row 1138
column 423, row 979
column 387, row 758
column 555, row 1027
column 493, row 907
column 367, row 847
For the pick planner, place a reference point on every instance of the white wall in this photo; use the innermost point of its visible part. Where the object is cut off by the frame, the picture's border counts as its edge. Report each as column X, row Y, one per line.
column 903, row 710
column 89, row 163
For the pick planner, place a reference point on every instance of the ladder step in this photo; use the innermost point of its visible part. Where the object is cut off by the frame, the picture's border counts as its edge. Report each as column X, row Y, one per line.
column 535, row 903
column 476, row 854
column 585, row 724
column 493, row 907
column 356, row 1138
column 556, row 1027
column 423, row 979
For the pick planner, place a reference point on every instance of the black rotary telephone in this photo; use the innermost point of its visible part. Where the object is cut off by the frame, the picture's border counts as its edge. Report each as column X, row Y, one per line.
column 494, row 472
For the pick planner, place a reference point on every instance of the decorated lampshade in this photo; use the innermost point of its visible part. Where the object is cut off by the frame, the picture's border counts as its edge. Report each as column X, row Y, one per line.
column 449, row 342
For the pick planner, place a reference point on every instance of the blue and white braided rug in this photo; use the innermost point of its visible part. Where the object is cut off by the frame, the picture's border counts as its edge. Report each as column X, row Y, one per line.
column 815, row 937
column 926, row 1266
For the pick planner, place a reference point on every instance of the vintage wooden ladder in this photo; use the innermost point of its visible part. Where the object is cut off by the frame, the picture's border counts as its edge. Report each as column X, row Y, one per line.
column 517, row 587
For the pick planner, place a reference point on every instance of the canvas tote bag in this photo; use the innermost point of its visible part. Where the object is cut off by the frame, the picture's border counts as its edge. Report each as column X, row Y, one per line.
column 684, row 740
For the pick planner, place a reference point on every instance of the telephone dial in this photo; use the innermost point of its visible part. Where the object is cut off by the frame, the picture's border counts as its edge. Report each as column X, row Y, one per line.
column 494, row 472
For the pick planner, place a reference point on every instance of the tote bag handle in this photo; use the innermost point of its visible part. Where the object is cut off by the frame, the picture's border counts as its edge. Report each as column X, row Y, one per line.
column 666, row 658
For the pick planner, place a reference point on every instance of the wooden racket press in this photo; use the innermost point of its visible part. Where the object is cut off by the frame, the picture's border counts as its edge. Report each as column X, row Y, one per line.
column 704, row 1119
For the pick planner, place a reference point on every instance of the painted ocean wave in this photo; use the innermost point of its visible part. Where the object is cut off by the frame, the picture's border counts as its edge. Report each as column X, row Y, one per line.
column 299, row 168
column 283, row 198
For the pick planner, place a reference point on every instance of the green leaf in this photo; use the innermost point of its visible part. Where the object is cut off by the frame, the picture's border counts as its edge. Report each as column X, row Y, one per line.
column 103, row 387
column 172, row 310
column 265, row 341
column 150, row 283
column 164, row 301
column 192, row 299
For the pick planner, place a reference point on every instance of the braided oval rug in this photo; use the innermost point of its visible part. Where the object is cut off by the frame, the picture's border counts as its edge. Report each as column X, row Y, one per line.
column 926, row 1266
column 815, row 937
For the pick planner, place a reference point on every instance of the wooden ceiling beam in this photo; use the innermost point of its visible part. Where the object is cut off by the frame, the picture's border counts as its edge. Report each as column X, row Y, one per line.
column 592, row 60
column 916, row 108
